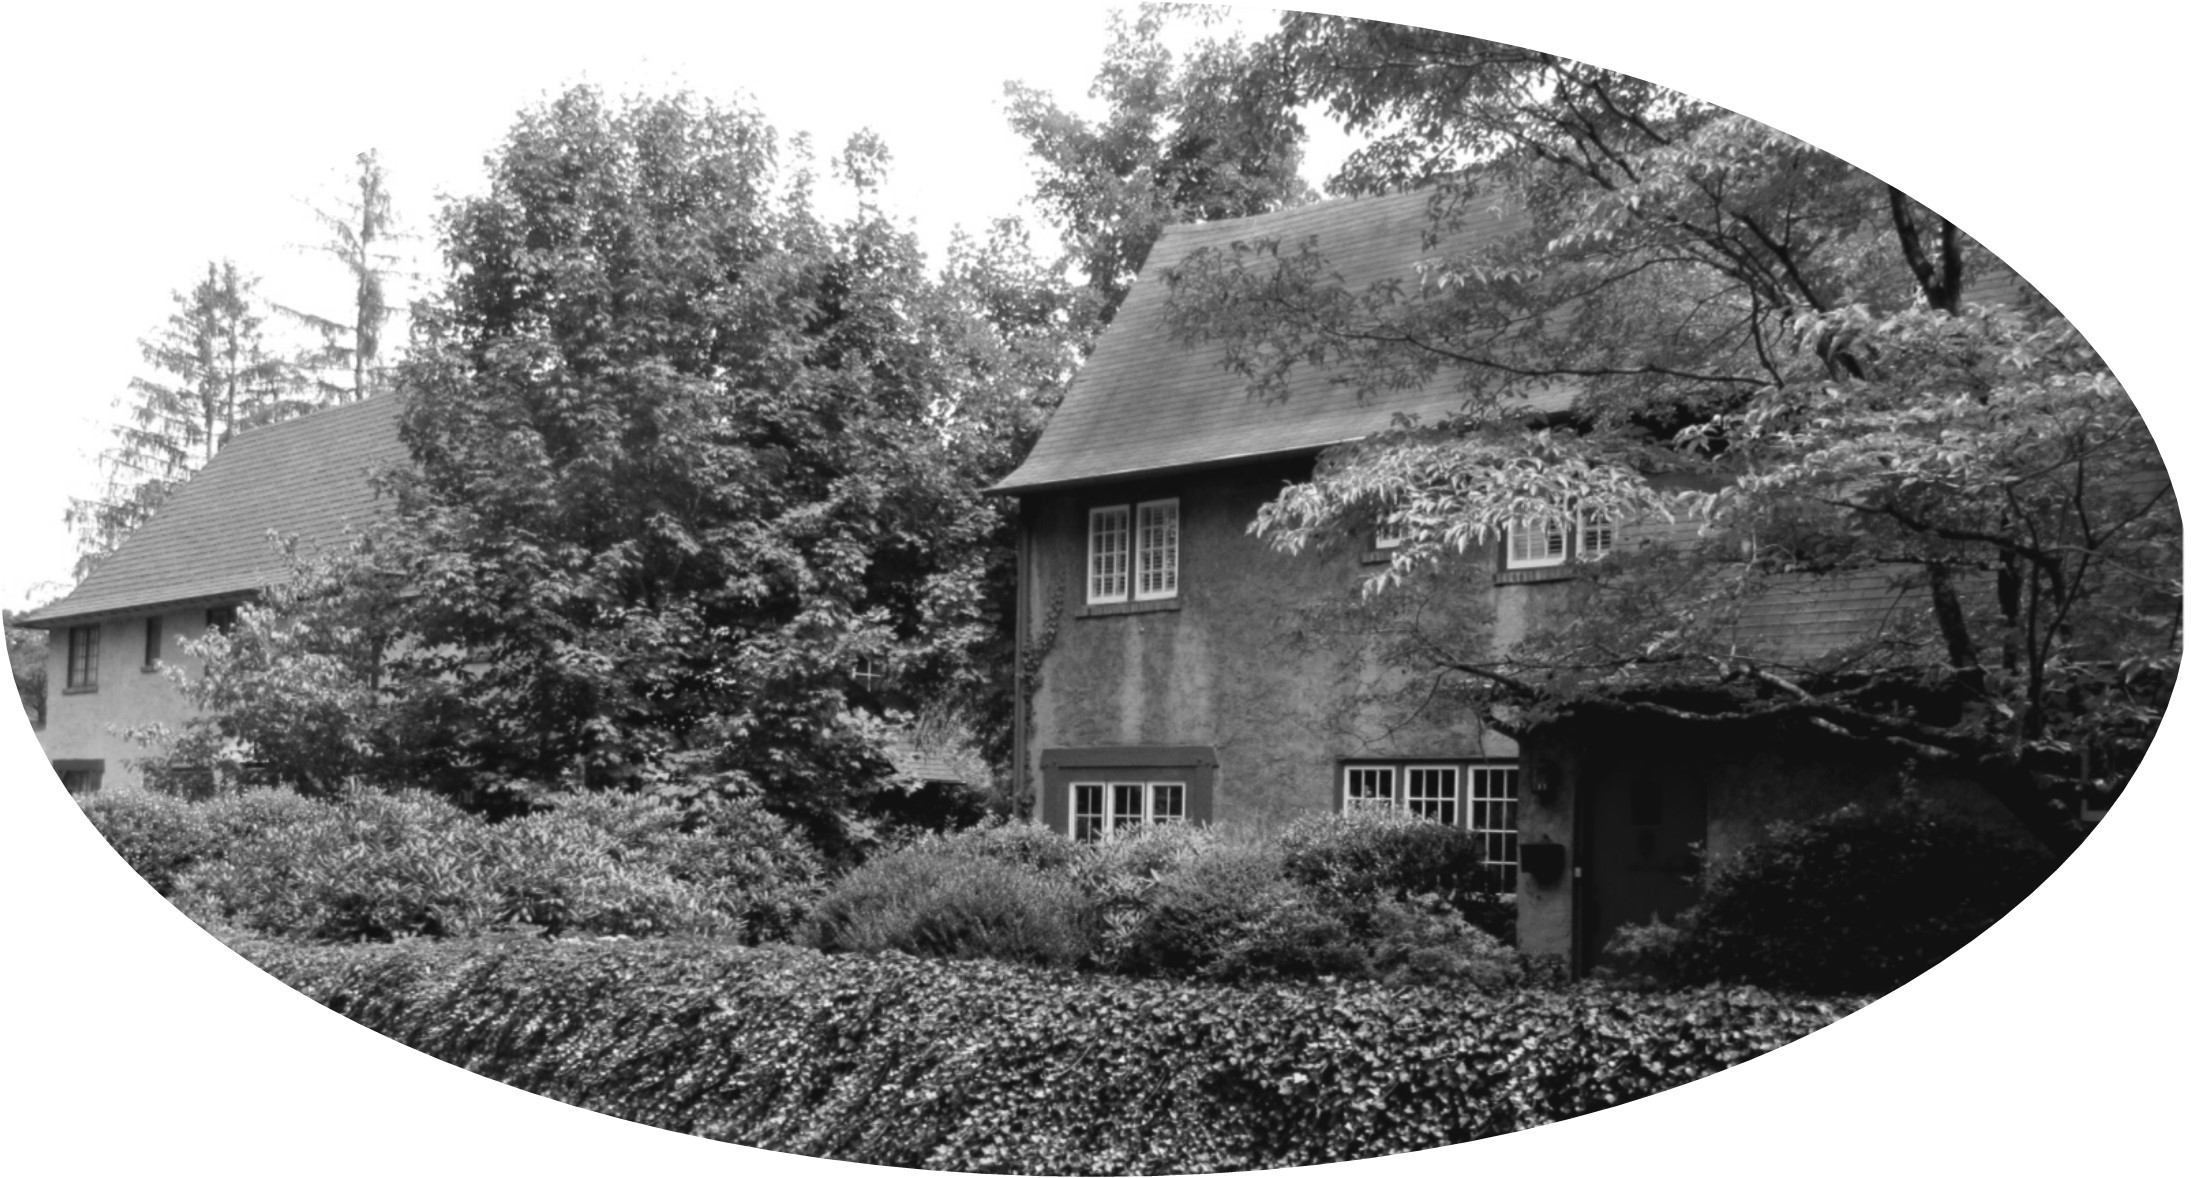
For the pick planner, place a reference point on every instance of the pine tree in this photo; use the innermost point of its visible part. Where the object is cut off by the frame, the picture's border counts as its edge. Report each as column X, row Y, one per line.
column 362, row 235
column 220, row 379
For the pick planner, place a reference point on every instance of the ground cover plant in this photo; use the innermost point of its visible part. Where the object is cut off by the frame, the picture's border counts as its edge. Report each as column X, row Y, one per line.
column 985, row 1066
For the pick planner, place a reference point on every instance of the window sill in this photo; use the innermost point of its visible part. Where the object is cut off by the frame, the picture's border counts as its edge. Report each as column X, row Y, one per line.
column 91, row 690
column 1377, row 556
column 1162, row 605
column 1556, row 572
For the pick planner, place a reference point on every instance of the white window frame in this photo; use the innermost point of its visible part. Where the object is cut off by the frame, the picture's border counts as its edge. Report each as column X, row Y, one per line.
column 1478, row 787
column 1110, row 538
column 1123, row 564
column 1555, row 544
column 1589, row 537
column 1159, row 560
column 1111, row 819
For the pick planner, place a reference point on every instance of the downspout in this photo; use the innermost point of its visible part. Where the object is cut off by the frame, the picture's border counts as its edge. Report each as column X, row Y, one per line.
column 1022, row 779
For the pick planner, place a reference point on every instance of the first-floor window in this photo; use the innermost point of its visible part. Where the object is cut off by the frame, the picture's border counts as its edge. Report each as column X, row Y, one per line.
column 1483, row 799
column 80, row 777
column 1118, row 807
column 83, row 658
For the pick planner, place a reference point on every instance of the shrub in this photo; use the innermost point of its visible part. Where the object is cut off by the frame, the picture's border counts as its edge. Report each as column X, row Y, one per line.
column 371, row 867
column 952, row 905
column 1365, row 856
column 1426, row 941
column 161, row 837
column 1859, row 901
column 981, row 1067
column 1027, row 844
column 620, row 864
column 1231, row 914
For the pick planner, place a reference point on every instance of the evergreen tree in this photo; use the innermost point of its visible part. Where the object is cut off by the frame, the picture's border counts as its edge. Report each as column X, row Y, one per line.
column 216, row 378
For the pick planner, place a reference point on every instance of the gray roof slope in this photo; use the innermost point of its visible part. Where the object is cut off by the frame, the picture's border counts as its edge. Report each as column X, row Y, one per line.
column 306, row 477
column 1144, row 402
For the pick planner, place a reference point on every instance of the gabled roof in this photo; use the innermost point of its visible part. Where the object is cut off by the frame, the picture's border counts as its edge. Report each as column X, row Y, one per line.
column 208, row 541
column 1146, row 403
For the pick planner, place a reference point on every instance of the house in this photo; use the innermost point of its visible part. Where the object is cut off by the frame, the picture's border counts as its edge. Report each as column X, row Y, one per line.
column 205, row 551
column 1165, row 675
column 211, row 547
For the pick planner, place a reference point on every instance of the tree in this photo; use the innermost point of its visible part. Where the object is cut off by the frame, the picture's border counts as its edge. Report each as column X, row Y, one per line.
column 217, row 379
column 684, row 455
column 361, row 235
column 27, row 660
column 1769, row 347
column 1203, row 139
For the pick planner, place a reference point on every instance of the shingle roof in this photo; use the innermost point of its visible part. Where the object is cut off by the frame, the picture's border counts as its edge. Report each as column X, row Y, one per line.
column 1144, row 402
column 306, row 477
column 911, row 761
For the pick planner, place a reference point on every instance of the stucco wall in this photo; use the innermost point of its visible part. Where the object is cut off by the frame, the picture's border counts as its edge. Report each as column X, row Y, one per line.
column 87, row 725
column 1284, row 698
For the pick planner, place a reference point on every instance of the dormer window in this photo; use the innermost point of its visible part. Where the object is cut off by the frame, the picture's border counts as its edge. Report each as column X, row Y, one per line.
column 1133, row 552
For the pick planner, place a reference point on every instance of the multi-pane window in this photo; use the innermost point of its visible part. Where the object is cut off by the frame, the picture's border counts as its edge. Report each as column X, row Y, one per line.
column 1109, row 554
column 1133, row 552
column 1494, row 814
column 1370, row 785
column 1542, row 543
column 1534, row 545
column 152, row 641
column 80, row 777
column 220, row 619
column 1434, row 791
column 1119, row 807
column 83, row 658
column 1156, row 550
column 1594, row 538
column 1483, row 799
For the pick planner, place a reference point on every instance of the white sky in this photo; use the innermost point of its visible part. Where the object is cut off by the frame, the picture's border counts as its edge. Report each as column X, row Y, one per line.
column 140, row 146
column 185, row 135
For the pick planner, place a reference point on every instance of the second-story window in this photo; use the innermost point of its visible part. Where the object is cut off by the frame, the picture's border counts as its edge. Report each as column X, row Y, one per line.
column 1133, row 552
column 1543, row 543
column 152, row 642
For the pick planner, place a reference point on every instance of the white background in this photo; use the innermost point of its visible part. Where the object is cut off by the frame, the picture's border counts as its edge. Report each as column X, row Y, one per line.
column 133, row 1042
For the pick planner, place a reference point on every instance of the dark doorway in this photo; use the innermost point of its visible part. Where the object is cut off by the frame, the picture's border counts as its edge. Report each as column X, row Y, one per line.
column 1639, row 850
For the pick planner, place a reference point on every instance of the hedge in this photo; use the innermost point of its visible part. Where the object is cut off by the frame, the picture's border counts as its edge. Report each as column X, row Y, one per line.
column 984, row 1066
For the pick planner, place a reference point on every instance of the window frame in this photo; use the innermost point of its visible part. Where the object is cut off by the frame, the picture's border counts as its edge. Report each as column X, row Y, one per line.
column 1109, row 819
column 154, row 635
column 81, row 672
column 1573, row 539
column 1063, row 771
column 220, row 619
column 92, row 775
column 1130, row 523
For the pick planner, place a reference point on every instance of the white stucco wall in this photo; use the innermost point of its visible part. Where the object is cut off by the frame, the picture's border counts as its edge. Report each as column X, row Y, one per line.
column 88, row 724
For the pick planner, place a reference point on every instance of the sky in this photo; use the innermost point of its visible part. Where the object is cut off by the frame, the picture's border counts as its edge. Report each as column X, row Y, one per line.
column 142, row 144
column 192, row 134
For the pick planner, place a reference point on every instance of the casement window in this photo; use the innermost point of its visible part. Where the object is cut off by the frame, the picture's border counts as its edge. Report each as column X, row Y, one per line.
column 83, row 658
column 1538, row 544
column 220, row 619
column 1133, row 552
column 1092, row 793
column 152, row 642
column 1102, row 808
column 1483, row 799
column 80, row 777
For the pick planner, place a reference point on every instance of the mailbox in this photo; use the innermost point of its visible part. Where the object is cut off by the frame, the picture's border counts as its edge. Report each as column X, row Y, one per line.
column 1544, row 862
